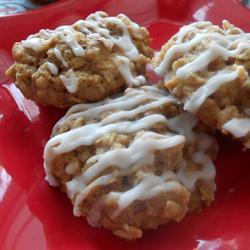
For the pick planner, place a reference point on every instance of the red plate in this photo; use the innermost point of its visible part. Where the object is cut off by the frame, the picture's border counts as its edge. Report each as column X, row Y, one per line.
column 36, row 216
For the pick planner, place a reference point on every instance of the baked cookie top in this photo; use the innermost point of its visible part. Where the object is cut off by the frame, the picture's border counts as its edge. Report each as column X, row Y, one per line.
column 137, row 150
column 84, row 62
column 207, row 68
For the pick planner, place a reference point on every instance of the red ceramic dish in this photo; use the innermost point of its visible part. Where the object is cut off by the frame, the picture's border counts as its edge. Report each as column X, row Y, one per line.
column 36, row 216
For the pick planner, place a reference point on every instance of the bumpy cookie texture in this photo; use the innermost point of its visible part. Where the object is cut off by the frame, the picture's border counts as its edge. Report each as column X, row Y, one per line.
column 208, row 68
column 85, row 62
column 132, row 163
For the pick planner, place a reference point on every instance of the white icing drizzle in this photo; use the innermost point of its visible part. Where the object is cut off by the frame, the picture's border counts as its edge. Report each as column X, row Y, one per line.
column 67, row 34
column 203, row 60
column 183, row 124
column 139, row 152
column 60, row 57
column 46, row 32
column 126, row 103
column 123, row 65
column 70, row 81
column 124, row 42
column 238, row 127
column 96, row 28
column 34, row 43
column 102, row 180
column 212, row 85
column 207, row 171
column 178, row 125
column 221, row 44
column 52, row 68
column 178, row 50
column 150, row 186
column 87, row 134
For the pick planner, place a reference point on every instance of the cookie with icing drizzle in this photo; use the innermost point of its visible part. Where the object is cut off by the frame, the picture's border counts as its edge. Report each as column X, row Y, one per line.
column 133, row 162
column 207, row 67
column 84, row 62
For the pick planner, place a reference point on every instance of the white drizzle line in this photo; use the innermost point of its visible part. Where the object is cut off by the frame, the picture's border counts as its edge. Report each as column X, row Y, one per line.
column 67, row 34
column 123, row 65
column 87, row 134
column 222, row 45
column 207, row 171
column 124, row 42
column 203, row 61
column 52, row 68
column 102, row 180
column 178, row 50
column 131, row 98
column 184, row 124
column 60, row 57
column 95, row 27
column 212, row 85
column 70, row 81
column 140, row 151
column 238, row 127
column 150, row 186
column 34, row 43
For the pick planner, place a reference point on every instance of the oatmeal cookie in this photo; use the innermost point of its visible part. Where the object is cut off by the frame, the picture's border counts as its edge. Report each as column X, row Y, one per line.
column 132, row 163
column 207, row 68
column 84, row 62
